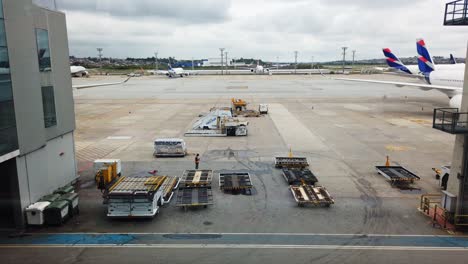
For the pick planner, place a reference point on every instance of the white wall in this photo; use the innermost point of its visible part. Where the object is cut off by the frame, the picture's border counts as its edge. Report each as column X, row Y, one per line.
column 44, row 170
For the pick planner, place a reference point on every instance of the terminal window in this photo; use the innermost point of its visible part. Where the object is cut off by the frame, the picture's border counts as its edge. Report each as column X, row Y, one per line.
column 8, row 135
column 48, row 104
column 43, row 50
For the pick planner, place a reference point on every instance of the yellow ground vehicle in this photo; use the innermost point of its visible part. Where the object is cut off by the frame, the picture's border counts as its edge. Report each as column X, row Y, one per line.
column 106, row 175
column 239, row 104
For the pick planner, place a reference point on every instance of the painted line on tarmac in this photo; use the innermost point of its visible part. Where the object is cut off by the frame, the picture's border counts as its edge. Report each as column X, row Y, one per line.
column 241, row 240
column 256, row 234
column 242, row 246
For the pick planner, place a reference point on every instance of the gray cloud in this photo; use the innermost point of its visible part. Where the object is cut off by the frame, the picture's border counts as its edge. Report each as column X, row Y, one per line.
column 200, row 11
column 259, row 28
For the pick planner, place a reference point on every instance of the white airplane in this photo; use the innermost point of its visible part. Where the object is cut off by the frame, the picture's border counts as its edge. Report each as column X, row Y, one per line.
column 172, row 72
column 259, row 69
column 396, row 64
column 78, row 71
column 448, row 79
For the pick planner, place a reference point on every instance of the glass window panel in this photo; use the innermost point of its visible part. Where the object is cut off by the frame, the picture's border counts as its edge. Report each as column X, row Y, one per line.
column 8, row 135
column 48, row 104
column 43, row 51
column 2, row 33
column 1, row 9
column 5, row 88
column 4, row 61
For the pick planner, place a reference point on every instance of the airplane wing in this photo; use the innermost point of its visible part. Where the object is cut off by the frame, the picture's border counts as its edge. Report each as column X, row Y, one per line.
column 99, row 84
column 401, row 84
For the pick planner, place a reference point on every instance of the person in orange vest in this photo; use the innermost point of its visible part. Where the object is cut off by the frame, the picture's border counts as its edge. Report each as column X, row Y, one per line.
column 197, row 161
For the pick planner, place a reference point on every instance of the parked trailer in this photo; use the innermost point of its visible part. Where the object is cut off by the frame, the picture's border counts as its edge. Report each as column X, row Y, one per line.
column 136, row 196
column 308, row 194
column 291, row 162
column 297, row 176
column 397, row 175
column 196, row 178
column 169, row 147
column 194, row 197
column 235, row 182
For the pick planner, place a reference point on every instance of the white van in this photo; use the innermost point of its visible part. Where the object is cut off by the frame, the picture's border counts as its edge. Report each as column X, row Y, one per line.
column 169, row 147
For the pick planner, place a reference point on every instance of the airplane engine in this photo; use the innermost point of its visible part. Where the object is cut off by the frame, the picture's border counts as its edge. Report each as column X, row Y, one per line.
column 267, row 70
column 455, row 102
column 252, row 70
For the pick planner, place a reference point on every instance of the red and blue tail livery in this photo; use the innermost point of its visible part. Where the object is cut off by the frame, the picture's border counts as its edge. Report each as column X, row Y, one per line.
column 425, row 63
column 394, row 62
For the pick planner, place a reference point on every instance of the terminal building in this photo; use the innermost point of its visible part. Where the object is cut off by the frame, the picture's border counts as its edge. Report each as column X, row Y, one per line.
column 37, row 118
column 215, row 62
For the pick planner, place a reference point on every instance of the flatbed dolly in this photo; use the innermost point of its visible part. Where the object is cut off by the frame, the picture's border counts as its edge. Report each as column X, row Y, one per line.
column 196, row 178
column 291, row 162
column 235, row 182
column 194, row 197
column 305, row 194
column 397, row 175
column 297, row 176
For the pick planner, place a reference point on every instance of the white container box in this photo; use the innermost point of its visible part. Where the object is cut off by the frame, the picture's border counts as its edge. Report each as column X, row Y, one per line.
column 99, row 163
column 263, row 108
column 169, row 147
column 34, row 213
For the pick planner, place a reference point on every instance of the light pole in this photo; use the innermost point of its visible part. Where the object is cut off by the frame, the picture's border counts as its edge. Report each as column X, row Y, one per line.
column 312, row 63
column 222, row 53
column 192, row 64
column 277, row 62
column 100, row 58
column 295, row 61
column 156, row 60
column 344, row 58
column 226, row 60
column 354, row 53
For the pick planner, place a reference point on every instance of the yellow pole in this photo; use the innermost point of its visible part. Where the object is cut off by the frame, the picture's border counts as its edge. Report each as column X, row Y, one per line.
column 290, row 152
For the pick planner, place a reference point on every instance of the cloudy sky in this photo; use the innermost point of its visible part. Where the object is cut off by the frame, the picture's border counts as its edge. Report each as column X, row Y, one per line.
column 259, row 29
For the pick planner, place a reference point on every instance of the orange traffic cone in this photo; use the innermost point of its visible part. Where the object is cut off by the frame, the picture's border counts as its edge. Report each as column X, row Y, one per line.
column 387, row 163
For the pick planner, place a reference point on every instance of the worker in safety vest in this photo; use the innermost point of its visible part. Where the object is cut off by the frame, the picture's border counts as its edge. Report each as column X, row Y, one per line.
column 197, row 161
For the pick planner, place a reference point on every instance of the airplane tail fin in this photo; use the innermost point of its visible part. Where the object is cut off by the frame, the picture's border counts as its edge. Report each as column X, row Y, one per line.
column 169, row 66
column 452, row 59
column 394, row 62
column 425, row 62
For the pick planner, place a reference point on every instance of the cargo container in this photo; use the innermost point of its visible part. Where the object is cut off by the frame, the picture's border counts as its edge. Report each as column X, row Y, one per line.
column 136, row 196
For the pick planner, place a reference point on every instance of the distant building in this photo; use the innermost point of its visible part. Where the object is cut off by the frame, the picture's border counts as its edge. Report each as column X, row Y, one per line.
column 186, row 64
column 37, row 118
column 215, row 62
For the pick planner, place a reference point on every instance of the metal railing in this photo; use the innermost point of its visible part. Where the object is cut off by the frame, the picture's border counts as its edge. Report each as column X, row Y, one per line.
column 456, row 13
column 430, row 203
column 450, row 120
column 427, row 200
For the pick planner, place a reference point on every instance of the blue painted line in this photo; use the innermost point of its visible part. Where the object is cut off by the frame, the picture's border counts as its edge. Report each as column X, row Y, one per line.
column 237, row 239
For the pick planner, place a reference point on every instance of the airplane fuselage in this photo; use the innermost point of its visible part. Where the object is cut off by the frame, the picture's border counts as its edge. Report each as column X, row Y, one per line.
column 176, row 72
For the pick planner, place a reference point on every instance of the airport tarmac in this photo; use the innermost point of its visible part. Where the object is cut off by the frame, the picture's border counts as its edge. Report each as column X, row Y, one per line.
column 344, row 129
